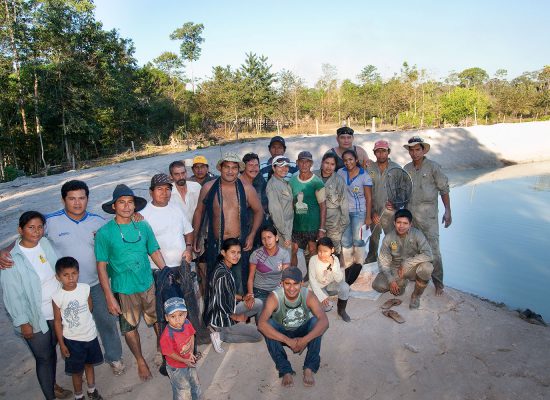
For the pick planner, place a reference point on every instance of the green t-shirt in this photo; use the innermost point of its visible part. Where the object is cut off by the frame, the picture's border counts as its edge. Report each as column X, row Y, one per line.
column 307, row 213
column 128, row 261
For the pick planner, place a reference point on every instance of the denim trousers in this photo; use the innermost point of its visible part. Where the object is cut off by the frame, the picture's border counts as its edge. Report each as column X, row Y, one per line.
column 185, row 383
column 241, row 332
column 278, row 353
column 106, row 324
column 352, row 234
column 43, row 349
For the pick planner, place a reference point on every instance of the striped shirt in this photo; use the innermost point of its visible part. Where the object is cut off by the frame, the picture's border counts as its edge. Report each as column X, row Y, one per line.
column 222, row 301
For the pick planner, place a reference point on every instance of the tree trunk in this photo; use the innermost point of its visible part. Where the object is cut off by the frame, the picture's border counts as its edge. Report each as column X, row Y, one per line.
column 37, row 122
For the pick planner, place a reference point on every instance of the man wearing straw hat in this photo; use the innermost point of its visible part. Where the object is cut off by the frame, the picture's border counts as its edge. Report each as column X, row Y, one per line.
column 428, row 181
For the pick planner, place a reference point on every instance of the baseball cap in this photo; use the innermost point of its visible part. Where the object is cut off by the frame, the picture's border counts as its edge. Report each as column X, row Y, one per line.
column 174, row 304
column 292, row 273
column 159, row 180
column 381, row 144
column 277, row 139
column 305, row 155
column 200, row 160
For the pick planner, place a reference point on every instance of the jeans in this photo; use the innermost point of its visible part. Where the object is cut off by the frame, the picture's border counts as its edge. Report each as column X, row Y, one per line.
column 352, row 234
column 340, row 288
column 185, row 383
column 278, row 354
column 43, row 348
column 241, row 332
column 106, row 325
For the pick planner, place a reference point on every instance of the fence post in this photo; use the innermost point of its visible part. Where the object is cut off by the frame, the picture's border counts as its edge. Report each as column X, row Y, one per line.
column 133, row 150
column 373, row 129
column 317, row 126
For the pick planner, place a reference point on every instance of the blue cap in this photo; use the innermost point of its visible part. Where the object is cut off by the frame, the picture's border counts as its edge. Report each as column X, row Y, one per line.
column 174, row 304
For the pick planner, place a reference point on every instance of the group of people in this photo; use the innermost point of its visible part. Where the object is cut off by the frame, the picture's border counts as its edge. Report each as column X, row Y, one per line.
column 72, row 274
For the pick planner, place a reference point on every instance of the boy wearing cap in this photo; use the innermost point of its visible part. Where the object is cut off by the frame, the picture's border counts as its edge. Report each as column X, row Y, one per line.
column 308, row 192
column 293, row 317
column 124, row 245
column 382, row 210
column 277, row 147
column 280, row 200
column 200, row 170
column 428, row 181
column 176, row 343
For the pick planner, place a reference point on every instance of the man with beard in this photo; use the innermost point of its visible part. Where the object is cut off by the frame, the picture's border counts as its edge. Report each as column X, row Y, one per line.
column 186, row 194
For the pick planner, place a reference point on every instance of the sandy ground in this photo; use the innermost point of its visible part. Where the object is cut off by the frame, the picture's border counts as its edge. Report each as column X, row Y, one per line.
column 455, row 347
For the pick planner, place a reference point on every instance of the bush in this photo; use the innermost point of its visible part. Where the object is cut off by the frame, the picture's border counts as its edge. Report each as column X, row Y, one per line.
column 10, row 173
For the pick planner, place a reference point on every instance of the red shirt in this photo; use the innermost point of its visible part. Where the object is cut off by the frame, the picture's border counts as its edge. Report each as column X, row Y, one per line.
column 175, row 344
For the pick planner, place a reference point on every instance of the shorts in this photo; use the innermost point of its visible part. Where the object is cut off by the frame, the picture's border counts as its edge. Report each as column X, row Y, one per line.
column 81, row 354
column 303, row 238
column 133, row 306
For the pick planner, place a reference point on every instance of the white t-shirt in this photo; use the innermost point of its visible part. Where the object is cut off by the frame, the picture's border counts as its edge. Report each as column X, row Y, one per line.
column 76, row 317
column 191, row 199
column 169, row 225
column 45, row 271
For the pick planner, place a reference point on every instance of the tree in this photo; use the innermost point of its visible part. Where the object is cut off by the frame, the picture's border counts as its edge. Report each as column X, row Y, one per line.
column 473, row 77
column 290, row 88
column 190, row 50
column 462, row 103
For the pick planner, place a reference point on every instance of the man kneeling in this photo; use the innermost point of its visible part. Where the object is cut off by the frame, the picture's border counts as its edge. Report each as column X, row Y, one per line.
column 405, row 254
column 293, row 317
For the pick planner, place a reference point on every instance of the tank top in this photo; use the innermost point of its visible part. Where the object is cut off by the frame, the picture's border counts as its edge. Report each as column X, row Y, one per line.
column 339, row 160
column 291, row 314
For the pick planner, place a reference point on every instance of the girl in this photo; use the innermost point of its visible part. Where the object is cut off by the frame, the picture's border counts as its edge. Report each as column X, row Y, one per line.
column 223, row 313
column 326, row 278
column 359, row 192
column 28, row 288
column 266, row 266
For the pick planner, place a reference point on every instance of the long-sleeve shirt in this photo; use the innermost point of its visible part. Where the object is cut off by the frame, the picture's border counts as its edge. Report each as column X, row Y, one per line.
column 320, row 276
column 280, row 205
column 406, row 251
column 428, row 182
column 379, row 191
column 222, row 300
column 337, row 202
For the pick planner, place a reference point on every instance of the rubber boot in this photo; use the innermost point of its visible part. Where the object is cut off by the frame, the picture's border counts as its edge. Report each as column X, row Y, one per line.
column 347, row 255
column 419, row 287
column 352, row 273
column 341, row 307
column 359, row 255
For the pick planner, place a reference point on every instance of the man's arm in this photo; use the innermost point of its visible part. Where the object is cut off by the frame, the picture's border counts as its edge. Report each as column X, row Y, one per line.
column 265, row 327
column 320, row 195
column 423, row 251
column 258, row 211
column 368, row 204
column 447, row 218
column 442, row 184
column 112, row 304
column 320, row 327
column 187, row 253
column 197, row 216
column 5, row 258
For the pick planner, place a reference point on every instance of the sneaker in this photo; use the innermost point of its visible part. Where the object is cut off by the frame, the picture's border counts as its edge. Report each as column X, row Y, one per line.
column 95, row 395
column 118, row 367
column 61, row 393
column 216, row 342
column 328, row 307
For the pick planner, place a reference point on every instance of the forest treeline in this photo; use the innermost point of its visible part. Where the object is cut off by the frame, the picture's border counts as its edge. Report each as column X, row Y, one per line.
column 72, row 91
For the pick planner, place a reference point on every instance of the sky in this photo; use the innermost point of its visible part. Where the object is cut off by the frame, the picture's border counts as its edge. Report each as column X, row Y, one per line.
column 301, row 35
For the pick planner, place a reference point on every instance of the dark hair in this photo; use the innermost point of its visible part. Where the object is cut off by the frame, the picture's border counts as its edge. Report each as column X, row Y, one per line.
column 332, row 155
column 345, row 130
column 269, row 228
column 66, row 263
column 250, row 156
column 325, row 241
column 28, row 215
column 175, row 164
column 354, row 154
column 69, row 186
column 227, row 243
column 403, row 213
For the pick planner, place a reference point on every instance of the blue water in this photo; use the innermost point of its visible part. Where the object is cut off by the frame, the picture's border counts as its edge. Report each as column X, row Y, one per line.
column 498, row 245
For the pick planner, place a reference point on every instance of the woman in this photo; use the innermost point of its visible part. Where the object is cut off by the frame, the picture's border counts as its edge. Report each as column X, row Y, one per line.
column 337, row 218
column 359, row 194
column 223, row 313
column 28, row 289
column 266, row 265
column 344, row 137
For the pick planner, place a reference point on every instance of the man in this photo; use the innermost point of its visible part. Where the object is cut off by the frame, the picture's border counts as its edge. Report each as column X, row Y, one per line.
column 71, row 232
column 344, row 138
column 222, row 208
column 428, row 180
column 405, row 255
column 308, row 192
column 200, row 170
column 186, row 194
column 293, row 317
column 280, row 201
column 277, row 147
column 128, row 284
column 382, row 210
column 252, row 176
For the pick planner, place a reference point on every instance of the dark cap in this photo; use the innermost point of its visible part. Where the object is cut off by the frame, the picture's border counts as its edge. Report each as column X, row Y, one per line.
column 277, row 139
column 159, row 180
column 292, row 273
column 305, row 155
column 345, row 130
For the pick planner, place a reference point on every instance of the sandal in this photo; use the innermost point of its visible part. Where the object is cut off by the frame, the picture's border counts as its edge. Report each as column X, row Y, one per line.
column 394, row 315
column 390, row 303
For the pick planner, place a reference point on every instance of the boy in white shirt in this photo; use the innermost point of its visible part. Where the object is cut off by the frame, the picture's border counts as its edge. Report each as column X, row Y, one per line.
column 75, row 328
column 326, row 278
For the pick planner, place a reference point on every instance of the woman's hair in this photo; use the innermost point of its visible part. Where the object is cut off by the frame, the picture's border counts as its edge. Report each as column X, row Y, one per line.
column 28, row 215
column 330, row 154
column 227, row 243
column 269, row 228
column 325, row 241
column 353, row 153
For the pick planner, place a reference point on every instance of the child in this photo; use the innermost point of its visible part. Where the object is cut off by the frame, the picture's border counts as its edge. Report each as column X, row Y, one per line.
column 75, row 328
column 326, row 277
column 176, row 344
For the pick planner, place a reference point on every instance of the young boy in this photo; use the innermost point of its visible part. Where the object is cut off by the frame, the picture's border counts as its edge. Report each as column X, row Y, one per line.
column 176, row 343
column 75, row 328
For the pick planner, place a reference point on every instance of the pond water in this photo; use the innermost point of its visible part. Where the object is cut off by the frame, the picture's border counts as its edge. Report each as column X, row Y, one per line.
column 498, row 245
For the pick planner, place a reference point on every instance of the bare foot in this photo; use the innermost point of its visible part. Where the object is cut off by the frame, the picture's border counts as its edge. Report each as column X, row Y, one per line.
column 287, row 380
column 143, row 371
column 439, row 289
column 308, row 380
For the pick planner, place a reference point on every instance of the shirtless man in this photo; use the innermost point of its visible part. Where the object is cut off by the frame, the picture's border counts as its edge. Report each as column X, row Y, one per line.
column 223, row 205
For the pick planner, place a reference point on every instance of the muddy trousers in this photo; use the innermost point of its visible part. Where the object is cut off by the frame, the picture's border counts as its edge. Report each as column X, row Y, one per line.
column 421, row 270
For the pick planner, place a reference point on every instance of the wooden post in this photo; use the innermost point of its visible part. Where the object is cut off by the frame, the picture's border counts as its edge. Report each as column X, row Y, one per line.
column 317, row 126
column 74, row 163
column 373, row 128
column 475, row 116
column 278, row 131
column 133, row 150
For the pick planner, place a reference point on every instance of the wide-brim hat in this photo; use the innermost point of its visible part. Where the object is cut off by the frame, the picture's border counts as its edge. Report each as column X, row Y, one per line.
column 417, row 140
column 230, row 157
column 123, row 190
